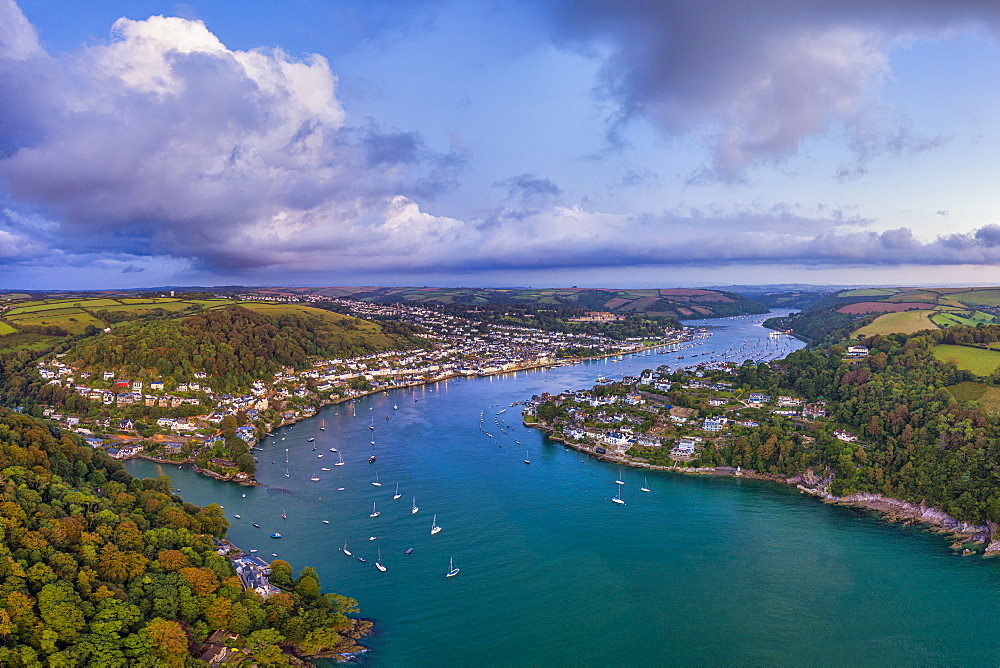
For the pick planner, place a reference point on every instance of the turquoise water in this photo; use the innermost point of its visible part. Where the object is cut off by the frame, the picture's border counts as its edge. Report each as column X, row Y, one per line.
column 700, row 570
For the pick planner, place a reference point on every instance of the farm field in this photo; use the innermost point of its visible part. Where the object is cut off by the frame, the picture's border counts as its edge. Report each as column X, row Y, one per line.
column 977, row 360
column 6, row 329
column 943, row 319
column 906, row 322
column 987, row 396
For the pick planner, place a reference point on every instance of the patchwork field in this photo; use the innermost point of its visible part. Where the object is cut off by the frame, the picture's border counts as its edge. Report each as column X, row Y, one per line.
column 906, row 322
column 945, row 318
column 977, row 360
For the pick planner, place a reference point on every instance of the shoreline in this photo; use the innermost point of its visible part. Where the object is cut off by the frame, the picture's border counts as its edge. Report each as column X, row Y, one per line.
column 323, row 403
column 808, row 483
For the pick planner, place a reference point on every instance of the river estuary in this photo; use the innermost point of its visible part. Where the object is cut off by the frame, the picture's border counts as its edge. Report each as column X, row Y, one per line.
column 707, row 570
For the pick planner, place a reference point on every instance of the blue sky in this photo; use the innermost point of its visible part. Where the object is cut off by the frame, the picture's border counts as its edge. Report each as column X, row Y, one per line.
column 539, row 143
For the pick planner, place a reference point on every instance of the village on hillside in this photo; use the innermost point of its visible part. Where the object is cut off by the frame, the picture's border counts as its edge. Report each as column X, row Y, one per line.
column 189, row 420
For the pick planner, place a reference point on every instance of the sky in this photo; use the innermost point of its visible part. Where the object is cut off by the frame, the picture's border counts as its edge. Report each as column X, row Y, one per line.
column 542, row 143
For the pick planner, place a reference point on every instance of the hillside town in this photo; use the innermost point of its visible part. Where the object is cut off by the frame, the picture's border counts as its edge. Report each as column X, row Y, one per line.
column 188, row 420
column 672, row 419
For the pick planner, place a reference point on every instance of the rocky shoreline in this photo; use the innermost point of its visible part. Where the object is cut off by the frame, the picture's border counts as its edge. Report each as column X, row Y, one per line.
column 893, row 510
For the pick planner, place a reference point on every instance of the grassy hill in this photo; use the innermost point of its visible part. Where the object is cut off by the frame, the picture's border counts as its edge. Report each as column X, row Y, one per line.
column 681, row 303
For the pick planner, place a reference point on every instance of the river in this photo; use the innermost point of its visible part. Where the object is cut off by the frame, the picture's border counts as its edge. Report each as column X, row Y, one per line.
column 700, row 570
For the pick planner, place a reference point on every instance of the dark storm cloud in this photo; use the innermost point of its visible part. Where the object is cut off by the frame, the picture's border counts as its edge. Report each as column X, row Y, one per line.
column 758, row 76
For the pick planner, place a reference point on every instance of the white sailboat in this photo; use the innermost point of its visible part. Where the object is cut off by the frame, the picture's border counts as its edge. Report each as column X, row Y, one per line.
column 378, row 562
column 341, row 462
column 618, row 498
column 526, row 460
column 322, row 425
column 434, row 525
column 619, row 481
column 376, row 483
column 375, row 513
column 286, row 471
column 645, row 486
column 397, row 494
column 346, row 551
column 413, row 511
column 452, row 571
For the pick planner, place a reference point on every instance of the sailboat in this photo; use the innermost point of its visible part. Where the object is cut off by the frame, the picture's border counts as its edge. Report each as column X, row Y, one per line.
column 619, row 481
column 286, row 471
column 378, row 562
column 346, row 551
column 618, row 498
column 434, row 525
column 375, row 513
column 372, row 427
column 397, row 494
column 395, row 407
column 341, row 462
column 322, row 425
column 645, row 486
column 283, row 515
column 376, row 483
column 526, row 460
column 452, row 571
column 413, row 511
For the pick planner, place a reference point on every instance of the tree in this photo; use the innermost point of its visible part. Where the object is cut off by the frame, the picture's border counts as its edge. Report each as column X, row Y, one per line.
column 169, row 639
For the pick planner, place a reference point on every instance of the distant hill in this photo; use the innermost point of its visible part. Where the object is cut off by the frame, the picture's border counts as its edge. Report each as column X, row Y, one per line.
column 881, row 311
column 681, row 303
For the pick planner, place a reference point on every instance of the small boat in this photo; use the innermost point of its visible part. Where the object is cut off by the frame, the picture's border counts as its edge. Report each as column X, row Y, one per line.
column 452, row 571
column 346, row 551
column 619, row 481
column 319, row 455
column 526, row 460
column 274, row 554
column 253, row 551
column 326, row 521
column 256, row 525
column 409, row 550
column 333, row 449
column 361, row 559
column 434, row 525
column 373, row 538
column 314, row 479
column 376, row 483
column 413, row 511
column 237, row 517
column 341, row 462
column 395, row 407
column 378, row 562
column 618, row 498
column 375, row 513
column 397, row 494
column 371, row 459
column 325, row 468
column 322, row 426
column 310, row 439
column 275, row 535
column 283, row 515
column 244, row 496
column 645, row 486
column 286, row 471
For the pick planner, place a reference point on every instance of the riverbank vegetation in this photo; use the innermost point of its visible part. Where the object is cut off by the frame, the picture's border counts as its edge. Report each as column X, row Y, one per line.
column 99, row 568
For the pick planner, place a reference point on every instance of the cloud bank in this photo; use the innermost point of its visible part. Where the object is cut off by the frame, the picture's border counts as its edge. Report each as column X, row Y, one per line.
column 165, row 143
column 757, row 77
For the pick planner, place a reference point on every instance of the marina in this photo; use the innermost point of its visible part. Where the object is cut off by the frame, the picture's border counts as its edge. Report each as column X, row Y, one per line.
column 778, row 575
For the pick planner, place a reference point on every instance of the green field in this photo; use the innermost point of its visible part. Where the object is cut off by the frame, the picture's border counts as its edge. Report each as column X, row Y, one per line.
column 868, row 292
column 73, row 320
column 987, row 396
column 905, row 322
column 6, row 329
column 977, row 360
column 944, row 319
column 979, row 297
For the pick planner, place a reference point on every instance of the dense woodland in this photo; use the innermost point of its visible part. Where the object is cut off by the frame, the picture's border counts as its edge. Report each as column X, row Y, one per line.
column 100, row 569
column 234, row 345
column 920, row 444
